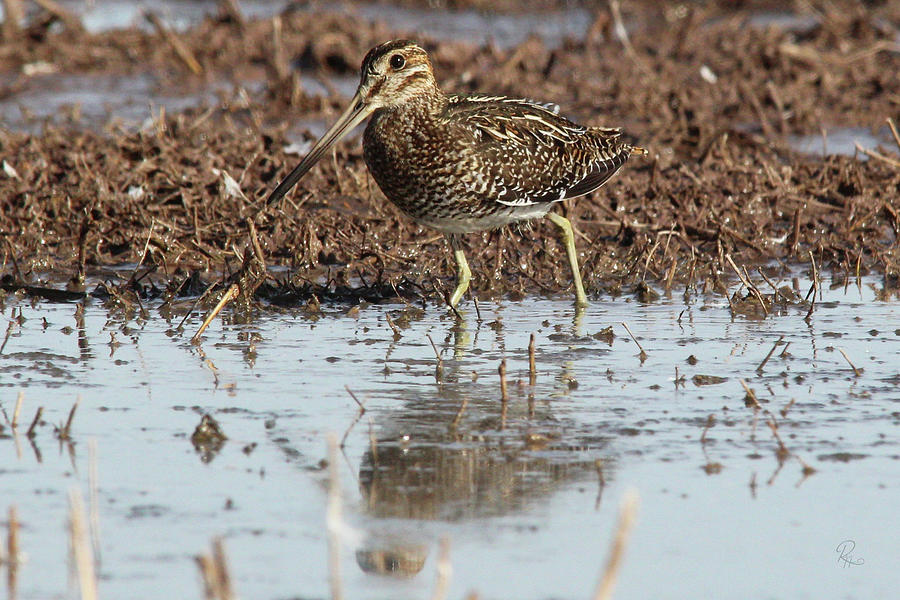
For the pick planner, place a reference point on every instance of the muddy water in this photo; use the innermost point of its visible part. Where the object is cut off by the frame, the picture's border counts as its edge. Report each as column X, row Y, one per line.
column 521, row 500
column 505, row 30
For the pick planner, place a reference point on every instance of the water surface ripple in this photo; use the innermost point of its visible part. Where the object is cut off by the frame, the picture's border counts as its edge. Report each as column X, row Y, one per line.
column 528, row 500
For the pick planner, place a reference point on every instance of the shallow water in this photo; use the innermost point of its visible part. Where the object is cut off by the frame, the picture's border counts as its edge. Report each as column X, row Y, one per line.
column 95, row 100
column 841, row 140
column 130, row 101
column 522, row 503
column 505, row 30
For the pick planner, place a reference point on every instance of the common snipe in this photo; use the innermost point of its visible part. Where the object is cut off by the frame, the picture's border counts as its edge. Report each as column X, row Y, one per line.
column 464, row 163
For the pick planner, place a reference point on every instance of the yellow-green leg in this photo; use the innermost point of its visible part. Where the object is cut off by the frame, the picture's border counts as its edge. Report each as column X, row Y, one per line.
column 463, row 273
column 568, row 238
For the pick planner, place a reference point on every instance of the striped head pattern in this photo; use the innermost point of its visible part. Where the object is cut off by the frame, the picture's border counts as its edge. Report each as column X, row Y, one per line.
column 394, row 73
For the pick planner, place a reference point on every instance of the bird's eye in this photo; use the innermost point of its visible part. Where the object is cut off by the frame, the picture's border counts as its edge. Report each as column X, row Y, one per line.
column 397, row 61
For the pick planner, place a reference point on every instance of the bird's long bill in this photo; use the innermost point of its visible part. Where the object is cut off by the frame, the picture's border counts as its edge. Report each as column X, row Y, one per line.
column 353, row 116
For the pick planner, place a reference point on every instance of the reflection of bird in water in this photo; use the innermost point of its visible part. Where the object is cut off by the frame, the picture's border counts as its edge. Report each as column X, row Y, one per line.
column 420, row 468
column 397, row 558
column 460, row 164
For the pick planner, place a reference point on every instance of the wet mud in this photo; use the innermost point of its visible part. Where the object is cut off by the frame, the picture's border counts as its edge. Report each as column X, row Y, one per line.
column 715, row 95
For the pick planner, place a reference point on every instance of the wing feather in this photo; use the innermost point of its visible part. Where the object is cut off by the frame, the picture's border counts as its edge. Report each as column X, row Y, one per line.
column 530, row 153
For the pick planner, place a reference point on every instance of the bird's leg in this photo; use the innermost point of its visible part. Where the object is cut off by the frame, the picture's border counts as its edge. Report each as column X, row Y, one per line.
column 463, row 274
column 568, row 238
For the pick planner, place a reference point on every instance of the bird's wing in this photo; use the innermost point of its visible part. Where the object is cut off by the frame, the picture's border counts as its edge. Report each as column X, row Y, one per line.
column 529, row 153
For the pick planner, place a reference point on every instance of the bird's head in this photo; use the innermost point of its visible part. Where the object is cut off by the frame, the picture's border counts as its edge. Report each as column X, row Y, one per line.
column 392, row 74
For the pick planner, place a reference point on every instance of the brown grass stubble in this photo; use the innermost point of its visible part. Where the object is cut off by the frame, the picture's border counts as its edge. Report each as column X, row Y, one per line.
column 721, row 180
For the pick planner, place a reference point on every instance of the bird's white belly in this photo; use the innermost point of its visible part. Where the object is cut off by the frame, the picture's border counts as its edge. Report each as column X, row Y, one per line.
column 494, row 220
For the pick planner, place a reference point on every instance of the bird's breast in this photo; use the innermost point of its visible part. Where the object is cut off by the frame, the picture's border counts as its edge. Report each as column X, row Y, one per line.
column 411, row 158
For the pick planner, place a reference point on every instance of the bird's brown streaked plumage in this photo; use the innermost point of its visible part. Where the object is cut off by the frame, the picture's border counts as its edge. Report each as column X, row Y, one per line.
column 459, row 163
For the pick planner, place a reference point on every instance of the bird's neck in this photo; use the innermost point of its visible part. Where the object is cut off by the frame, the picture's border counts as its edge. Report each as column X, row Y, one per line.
column 429, row 104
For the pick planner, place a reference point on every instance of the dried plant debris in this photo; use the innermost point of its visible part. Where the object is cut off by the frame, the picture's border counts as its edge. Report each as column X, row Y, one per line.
column 714, row 97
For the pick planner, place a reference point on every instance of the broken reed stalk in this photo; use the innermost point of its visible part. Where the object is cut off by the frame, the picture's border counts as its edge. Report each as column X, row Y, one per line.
column 628, row 329
column 627, row 516
column 66, row 432
column 710, row 421
column 182, row 51
column 815, row 271
column 279, row 62
column 444, row 570
column 504, row 396
column 856, row 372
column 233, row 10
column 230, row 295
column 532, row 371
column 12, row 549
column 15, row 418
column 812, row 305
column 775, row 291
column 222, row 569
column 619, row 29
column 70, row 20
column 601, row 482
column 783, row 451
column 769, row 355
column 748, row 284
column 215, row 573
column 14, row 15
column 80, row 546
column 333, row 521
column 459, row 414
column 93, row 502
column 194, row 304
column 394, row 328
column 502, row 371
column 361, row 405
column 439, row 368
column 807, row 469
column 750, row 394
column 896, row 135
column 784, row 411
column 878, row 156
column 207, row 575
column 34, row 423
